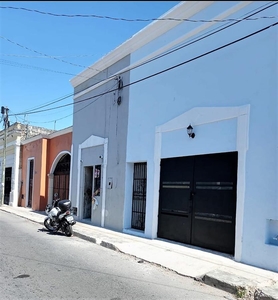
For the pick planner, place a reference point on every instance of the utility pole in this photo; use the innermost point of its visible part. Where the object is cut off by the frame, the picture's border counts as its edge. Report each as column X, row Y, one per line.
column 5, row 117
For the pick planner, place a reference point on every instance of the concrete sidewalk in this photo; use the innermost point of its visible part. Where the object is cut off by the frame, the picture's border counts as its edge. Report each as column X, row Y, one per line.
column 216, row 269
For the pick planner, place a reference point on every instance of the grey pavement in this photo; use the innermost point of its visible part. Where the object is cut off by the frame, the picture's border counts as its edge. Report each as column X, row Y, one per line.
column 213, row 268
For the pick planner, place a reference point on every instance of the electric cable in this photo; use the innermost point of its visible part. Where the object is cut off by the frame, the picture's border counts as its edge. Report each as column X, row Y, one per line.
column 50, row 103
column 202, row 55
column 46, row 55
column 205, row 35
column 26, row 66
column 42, row 56
column 77, row 110
column 167, row 69
column 188, row 43
column 14, row 64
column 253, row 12
column 132, row 20
column 87, row 55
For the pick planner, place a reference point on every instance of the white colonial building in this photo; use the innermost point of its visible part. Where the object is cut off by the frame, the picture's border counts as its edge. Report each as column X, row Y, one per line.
column 10, row 158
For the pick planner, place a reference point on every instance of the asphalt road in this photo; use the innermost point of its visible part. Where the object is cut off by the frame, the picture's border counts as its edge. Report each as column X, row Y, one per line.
column 35, row 264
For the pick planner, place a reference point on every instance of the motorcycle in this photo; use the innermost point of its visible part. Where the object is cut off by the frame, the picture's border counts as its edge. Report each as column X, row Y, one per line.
column 59, row 217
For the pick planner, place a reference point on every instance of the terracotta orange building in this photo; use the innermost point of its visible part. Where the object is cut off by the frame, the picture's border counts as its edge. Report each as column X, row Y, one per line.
column 46, row 161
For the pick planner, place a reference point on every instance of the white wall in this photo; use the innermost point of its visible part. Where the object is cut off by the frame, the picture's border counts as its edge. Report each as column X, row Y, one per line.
column 12, row 161
column 177, row 143
column 241, row 74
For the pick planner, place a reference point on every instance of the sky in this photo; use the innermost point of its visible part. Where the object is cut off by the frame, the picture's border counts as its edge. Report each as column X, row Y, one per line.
column 40, row 53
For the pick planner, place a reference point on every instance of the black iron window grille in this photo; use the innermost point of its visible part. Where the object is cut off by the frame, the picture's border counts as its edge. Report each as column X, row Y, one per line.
column 139, row 196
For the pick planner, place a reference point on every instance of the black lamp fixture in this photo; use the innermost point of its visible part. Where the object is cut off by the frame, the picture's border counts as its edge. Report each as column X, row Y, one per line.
column 190, row 132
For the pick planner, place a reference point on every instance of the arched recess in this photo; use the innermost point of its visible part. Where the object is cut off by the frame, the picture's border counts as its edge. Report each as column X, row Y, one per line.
column 59, row 176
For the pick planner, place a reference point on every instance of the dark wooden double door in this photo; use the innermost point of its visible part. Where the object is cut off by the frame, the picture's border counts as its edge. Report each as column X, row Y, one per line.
column 197, row 202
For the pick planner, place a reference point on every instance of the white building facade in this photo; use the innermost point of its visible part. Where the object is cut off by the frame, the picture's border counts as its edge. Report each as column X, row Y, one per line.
column 216, row 190
column 10, row 158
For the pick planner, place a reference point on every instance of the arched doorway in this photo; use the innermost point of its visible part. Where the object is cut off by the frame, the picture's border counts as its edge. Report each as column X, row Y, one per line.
column 61, row 177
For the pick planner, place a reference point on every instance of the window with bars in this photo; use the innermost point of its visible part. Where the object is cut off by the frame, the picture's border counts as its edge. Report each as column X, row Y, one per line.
column 139, row 196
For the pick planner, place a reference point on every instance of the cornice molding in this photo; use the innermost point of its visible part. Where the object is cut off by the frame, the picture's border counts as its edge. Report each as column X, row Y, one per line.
column 185, row 9
column 47, row 136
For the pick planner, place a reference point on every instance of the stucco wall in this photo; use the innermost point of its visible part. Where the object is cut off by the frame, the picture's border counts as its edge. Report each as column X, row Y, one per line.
column 103, row 117
column 38, row 151
column 46, row 153
column 12, row 161
column 241, row 74
column 57, row 145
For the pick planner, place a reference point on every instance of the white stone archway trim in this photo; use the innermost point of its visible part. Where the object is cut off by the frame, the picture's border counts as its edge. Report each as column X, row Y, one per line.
column 200, row 116
column 93, row 141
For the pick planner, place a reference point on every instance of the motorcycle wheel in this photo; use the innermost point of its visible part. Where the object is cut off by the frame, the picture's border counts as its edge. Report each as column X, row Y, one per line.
column 68, row 230
column 47, row 224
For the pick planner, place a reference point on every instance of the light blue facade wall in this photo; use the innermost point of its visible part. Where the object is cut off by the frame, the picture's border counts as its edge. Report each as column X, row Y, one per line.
column 244, row 73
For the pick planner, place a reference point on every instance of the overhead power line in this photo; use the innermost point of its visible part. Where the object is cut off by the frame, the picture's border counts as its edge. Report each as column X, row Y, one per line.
column 50, row 103
column 250, row 14
column 109, row 90
column 204, row 54
column 42, row 56
column 206, row 35
column 165, row 70
column 26, row 66
column 46, row 55
column 14, row 64
column 131, row 20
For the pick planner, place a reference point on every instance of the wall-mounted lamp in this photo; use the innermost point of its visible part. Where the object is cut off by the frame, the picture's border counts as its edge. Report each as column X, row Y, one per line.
column 190, row 132
column 120, row 83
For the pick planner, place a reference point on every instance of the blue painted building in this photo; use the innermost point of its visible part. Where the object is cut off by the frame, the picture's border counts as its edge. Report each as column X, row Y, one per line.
column 215, row 190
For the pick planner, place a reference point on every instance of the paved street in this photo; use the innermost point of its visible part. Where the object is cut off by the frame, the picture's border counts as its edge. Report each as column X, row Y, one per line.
column 38, row 265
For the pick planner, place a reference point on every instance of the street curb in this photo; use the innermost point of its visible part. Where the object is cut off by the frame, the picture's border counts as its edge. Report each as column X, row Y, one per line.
column 240, row 287
column 239, row 290
column 95, row 241
column 108, row 245
column 85, row 237
column 113, row 247
column 244, row 290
